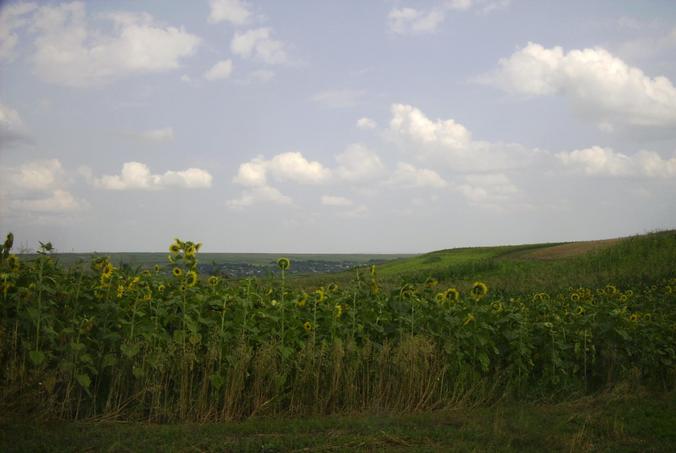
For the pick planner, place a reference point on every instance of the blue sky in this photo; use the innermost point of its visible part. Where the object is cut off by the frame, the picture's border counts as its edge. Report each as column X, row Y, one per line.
column 352, row 126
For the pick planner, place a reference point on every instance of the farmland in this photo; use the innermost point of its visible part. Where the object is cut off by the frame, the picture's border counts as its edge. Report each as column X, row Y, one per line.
column 465, row 330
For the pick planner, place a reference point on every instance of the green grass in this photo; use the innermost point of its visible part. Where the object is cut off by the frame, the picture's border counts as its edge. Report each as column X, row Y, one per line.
column 610, row 422
column 644, row 259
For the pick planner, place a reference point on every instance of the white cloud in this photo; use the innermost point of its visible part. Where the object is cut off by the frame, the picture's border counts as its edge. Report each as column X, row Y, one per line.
column 165, row 134
column 409, row 122
column 408, row 176
column 337, row 99
column 11, row 125
column 366, row 123
column 412, row 21
column 290, row 166
column 358, row 163
column 11, row 18
column 220, row 70
column 263, row 75
column 59, row 201
column 450, row 143
column 605, row 161
column 258, row 44
column 236, row 12
column 598, row 84
column 459, row 5
column 488, row 189
column 261, row 194
column 38, row 175
column 136, row 175
column 70, row 51
column 332, row 200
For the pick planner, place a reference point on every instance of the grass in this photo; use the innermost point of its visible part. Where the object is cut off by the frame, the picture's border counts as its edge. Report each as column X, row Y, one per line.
column 635, row 260
column 609, row 422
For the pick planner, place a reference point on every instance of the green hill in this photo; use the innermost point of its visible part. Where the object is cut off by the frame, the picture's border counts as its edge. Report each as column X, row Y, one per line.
column 641, row 259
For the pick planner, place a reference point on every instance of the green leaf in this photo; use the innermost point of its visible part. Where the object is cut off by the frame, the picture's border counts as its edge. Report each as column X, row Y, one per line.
column 37, row 357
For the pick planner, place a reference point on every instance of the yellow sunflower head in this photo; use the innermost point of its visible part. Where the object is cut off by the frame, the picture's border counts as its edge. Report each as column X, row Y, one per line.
column 160, row 288
column 174, row 248
column 452, row 294
column 147, row 297
column 338, row 311
column 575, row 297
column 634, row 317
column 283, row 263
column 191, row 278
column 479, row 290
column 332, row 288
column 320, row 295
column 302, row 300
column 579, row 310
column 307, row 326
column 107, row 270
column 440, row 298
column 213, row 280
column 190, row 251
column 177, row 272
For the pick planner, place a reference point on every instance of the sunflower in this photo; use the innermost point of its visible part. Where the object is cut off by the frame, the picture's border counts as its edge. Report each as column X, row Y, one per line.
column 213, row 280
column 497, row 306
column 191, row 278
column 320, row 295
column 634, row 317
column 332, row 288
column 431, row 282
column 338, row 311
column 300, row 303
column 283, row 263
column 148, row 296
column 160, row 288
column 440, row 298
column 157, row 268
column 452, row 294
column 177, row 272
column 13, row 262
column 575, row 297
column 479, row 290
column 579, row 310
column 120, row 291
column 190, row 251
column 174, row 248
column 107, row 271
column 307, row 326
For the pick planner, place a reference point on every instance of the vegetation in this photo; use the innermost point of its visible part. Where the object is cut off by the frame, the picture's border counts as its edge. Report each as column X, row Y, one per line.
column 166, row 345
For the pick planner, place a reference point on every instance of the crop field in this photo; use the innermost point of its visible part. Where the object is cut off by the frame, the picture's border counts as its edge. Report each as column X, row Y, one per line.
column 93, row 341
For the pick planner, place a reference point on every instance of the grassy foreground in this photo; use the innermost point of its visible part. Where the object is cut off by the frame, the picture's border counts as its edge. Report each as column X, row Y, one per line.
column 610, row 422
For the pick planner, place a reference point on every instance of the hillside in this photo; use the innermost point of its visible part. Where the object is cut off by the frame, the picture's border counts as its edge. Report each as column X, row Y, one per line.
column 554, row 266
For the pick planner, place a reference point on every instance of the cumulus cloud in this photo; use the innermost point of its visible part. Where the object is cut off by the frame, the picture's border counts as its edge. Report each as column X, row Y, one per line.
column 410, row 122
column 605, row 161
column 59, row 201
column 11, row 18
column 450, row 143
column 39, row 186
column 38, row 175
column 290, row 166
column 413, row 21
column 493, row 189
column 332, row 200
column 220, row 70
column 136, row 175
column 260, row 194
column 162, row 135
column 358, row 163
column 237, row 12
column 366, row 123
column 258, row 44
column 70, row 51
column 408, row 176
column 11, row 126
column 338, row 99
column 598, row 85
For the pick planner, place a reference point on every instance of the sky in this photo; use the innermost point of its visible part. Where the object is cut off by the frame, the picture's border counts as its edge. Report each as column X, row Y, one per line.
column 372, row 126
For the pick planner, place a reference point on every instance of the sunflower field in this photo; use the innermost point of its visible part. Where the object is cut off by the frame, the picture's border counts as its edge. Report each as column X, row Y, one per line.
column 167, row 344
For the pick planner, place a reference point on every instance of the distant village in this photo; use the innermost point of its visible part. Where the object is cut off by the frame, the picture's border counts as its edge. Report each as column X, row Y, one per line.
column 235, row 270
